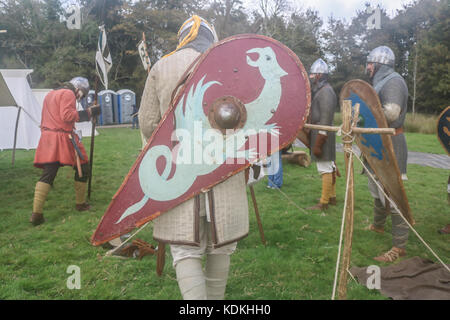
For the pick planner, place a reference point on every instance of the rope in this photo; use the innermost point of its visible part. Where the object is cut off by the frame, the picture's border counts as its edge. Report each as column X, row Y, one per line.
column 287, row 197
column 342, row 227
column 401, row 215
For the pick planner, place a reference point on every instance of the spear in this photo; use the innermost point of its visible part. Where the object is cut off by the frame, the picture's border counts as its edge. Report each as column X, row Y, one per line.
column 91, row 155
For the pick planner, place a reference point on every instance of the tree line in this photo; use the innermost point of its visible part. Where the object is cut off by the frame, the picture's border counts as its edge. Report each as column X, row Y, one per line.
column 38, row 38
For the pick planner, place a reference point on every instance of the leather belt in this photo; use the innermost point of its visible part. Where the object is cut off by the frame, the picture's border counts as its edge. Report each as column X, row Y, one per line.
column 55, row 130
column 398, row 131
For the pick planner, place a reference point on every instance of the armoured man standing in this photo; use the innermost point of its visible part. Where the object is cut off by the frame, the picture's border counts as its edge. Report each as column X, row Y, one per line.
column 393, row 93
column 323, row 143
column 60, row 146
column 209, row 224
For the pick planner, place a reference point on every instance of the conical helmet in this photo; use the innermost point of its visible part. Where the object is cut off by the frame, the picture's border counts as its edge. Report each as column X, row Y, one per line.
column 383, row 55
column 82, row 84
column 319, row 66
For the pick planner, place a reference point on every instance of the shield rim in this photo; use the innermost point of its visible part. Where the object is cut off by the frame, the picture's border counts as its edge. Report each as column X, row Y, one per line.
column 437, row 129
column 176, row 96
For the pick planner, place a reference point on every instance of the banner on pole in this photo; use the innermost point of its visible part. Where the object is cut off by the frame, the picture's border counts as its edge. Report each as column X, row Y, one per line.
column 103, row 61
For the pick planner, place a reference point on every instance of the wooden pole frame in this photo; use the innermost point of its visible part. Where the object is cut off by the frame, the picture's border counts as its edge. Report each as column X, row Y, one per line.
column 349, row 129
column 15, row 136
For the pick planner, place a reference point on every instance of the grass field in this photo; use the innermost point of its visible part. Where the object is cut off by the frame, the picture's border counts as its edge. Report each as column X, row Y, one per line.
column 297, row 263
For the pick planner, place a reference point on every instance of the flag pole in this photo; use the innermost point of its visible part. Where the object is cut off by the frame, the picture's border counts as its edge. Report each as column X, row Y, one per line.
column 91, row 151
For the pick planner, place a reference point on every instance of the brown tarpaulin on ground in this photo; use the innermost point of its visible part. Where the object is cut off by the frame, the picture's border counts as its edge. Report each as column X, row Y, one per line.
column 411, row 279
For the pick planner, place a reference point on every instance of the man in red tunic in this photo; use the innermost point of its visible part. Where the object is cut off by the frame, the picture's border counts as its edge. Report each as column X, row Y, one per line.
column 60, row 146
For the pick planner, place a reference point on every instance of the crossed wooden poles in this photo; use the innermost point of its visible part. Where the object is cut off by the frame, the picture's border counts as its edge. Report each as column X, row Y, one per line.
column 349, row 129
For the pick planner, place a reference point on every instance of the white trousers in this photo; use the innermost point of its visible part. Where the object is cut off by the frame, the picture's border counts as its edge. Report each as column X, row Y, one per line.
column 325, row 166
column 180, row 252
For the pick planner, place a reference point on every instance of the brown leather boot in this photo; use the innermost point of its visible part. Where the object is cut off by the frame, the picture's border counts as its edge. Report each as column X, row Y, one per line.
column 37, row 219
column 319, row 206
column 391, row 255
column 332, row 201
column 83, row 206
column 375, row 229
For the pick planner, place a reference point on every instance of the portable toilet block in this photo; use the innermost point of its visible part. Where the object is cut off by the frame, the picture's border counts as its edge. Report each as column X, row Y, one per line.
column 126, row 102
column 107, row 100
column 90, row 98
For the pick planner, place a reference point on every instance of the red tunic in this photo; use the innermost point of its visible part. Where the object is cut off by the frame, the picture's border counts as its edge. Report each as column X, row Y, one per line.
column 59, row 115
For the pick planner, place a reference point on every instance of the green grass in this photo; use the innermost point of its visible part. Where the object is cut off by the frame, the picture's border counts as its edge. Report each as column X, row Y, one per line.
column 298, row 261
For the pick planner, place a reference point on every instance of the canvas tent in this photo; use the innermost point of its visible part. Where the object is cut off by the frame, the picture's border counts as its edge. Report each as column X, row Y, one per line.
column 20, row 112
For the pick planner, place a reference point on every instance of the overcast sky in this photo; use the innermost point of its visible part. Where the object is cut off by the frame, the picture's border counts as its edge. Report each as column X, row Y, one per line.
column 340, row 8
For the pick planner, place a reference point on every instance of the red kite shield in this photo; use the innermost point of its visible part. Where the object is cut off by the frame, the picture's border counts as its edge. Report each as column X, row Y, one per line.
column 246, row 98
column 377, row 148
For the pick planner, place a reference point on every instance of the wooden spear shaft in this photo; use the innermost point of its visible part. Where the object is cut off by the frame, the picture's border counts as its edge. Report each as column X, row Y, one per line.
column 258, row 218
column 91, row 155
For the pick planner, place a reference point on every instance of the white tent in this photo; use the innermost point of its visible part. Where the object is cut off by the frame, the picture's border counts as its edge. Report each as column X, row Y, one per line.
column 20, row 112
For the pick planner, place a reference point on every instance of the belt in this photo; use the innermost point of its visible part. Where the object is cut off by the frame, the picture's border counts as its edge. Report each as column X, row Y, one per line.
column 56, row 130
column 398, row 131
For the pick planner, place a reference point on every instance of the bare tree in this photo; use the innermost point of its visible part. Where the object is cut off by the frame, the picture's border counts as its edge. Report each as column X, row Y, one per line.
column 271, row 10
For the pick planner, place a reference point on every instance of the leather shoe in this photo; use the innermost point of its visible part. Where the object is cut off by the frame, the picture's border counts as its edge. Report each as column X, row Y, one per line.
column 83, row 207
column 37, row 219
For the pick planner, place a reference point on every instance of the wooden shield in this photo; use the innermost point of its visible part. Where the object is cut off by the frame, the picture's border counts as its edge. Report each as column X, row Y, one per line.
column 443, row 129
column 257, row 85
column 377, row 148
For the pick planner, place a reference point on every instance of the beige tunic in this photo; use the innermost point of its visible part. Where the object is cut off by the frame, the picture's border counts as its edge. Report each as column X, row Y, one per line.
column 228, row 211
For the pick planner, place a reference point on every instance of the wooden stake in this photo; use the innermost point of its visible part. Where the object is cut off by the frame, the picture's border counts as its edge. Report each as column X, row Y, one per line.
column 91, row 151
column 160, row 258
column 15, row 136
column 258, row 218
column 347, row 140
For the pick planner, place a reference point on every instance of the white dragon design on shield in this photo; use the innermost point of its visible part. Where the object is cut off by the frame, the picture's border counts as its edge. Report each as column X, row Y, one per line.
column 158, row 186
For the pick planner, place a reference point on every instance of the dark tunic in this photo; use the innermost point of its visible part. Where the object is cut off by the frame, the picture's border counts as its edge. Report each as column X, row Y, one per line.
column 323, row 107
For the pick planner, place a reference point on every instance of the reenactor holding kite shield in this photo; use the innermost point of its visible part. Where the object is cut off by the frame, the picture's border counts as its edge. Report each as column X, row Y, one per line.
column 186, row 227
column 393, row 94
column 322, row 143
column 60, row 146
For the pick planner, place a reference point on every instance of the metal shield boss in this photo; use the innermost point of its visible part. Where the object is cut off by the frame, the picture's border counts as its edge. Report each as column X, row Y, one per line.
column 248, row 95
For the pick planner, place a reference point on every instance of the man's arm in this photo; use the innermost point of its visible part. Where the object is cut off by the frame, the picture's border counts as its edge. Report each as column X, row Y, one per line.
column 68, row 110
column 149, row 112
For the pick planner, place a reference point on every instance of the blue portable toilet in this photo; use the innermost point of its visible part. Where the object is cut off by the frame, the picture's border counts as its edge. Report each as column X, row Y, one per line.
column 90, row 98
column 108, row 104
column 126, row 100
